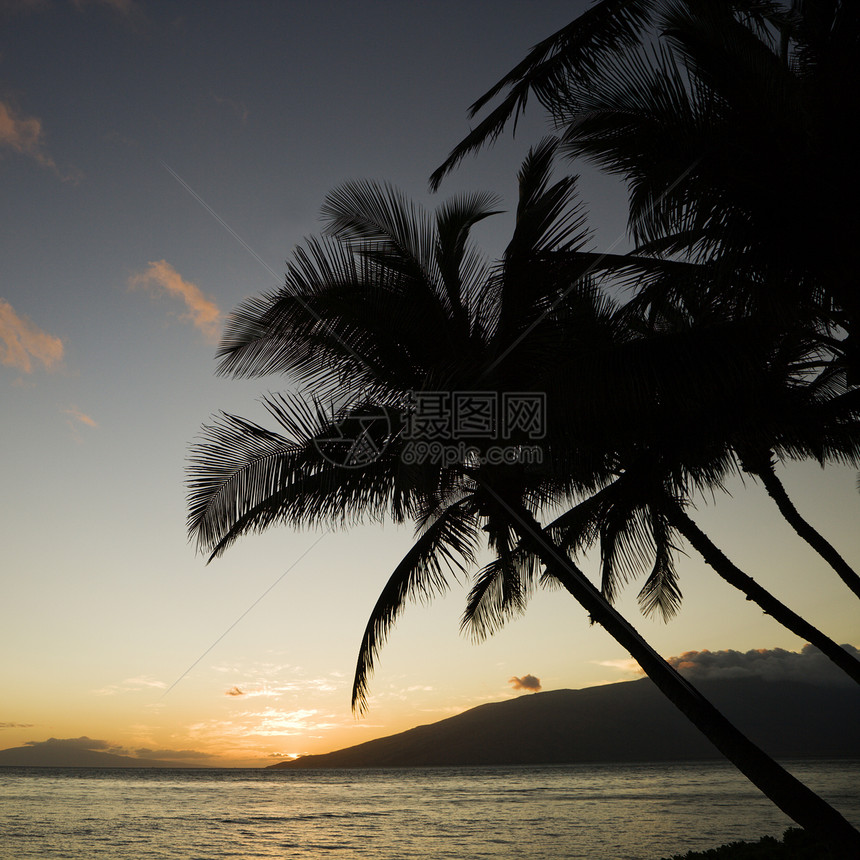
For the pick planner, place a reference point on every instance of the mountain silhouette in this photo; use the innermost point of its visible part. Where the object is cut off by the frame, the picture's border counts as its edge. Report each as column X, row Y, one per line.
column 623, row 722
column 42, row 755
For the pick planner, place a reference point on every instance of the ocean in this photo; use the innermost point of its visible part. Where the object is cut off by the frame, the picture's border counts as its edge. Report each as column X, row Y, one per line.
column 593, row 812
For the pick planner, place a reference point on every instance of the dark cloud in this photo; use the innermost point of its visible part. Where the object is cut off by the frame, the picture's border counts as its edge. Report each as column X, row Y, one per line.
column 527, row 682
column 82, row 743
column 16, row 725
column 234, row 691
column 808, row 665
column 170, row 755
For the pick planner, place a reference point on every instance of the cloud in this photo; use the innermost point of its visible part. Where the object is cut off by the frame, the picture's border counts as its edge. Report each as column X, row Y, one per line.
column 772, row 664
column 77, row 415
column 81, row 743
column 75, row 419
column 202, row 313
column 23, row 344
column 16, row 725
column 270, row 722
column 171, row 755
column 234, row 691
column 24, row 135
column 527, row 682
column 131, row 685
column 628, row 665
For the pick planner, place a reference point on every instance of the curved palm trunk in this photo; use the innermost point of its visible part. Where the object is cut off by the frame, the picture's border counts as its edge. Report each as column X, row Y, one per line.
column 812, row 536
column 732, row 574
column 797, row 801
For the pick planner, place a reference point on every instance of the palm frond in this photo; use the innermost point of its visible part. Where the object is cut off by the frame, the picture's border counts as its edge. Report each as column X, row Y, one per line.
column 661, row 592
column 378, row 219
column 501, row 591
column 244, row 478
column 448, row 542
column 462, row 270
column 549, row 218
column 607, row 26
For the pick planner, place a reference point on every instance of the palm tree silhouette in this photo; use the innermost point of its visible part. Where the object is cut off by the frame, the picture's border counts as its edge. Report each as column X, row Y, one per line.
column 394, row 304
column 730, row 124
column 669, row 411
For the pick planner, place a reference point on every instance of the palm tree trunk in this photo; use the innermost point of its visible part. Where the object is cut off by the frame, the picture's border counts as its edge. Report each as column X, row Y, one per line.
column 732, row 574
column 812, row 536
column 796, row 800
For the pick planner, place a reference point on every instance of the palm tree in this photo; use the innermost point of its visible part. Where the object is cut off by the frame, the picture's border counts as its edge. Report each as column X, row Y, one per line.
column 669, row 410
column 395, row 304
column 734, row 139
column 761, row 465
column 730, row 123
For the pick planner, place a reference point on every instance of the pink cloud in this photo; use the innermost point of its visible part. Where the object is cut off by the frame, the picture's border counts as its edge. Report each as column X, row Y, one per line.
column 202, row 313
column 76, row 415
column 24, row 135
column 22, row 343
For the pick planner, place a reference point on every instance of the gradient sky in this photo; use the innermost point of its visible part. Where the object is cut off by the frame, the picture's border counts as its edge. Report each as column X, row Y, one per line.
column 158, row 162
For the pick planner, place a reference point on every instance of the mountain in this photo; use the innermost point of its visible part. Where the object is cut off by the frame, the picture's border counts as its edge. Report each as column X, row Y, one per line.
column 58, row 756
column 628, row 721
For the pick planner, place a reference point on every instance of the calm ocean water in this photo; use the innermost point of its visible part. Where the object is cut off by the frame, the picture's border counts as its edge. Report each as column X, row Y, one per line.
column 598, row 812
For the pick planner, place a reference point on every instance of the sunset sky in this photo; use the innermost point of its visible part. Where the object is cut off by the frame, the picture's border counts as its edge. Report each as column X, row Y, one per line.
column 158, row 162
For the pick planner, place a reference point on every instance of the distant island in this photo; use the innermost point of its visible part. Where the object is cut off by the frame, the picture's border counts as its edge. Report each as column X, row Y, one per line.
column 624, row 722
column 50, row 755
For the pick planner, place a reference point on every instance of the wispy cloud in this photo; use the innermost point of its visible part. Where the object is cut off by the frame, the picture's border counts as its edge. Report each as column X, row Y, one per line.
column 131, row 685
column 25, row 136
column 269, row 722
column 16, row 725
column 628, row 665
column 202, row 313
column 267, row 680
column 76, row 418
column 77, row 415
column 23, row 344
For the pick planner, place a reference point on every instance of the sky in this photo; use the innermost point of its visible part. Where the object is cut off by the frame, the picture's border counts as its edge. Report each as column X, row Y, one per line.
column 158, row 163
